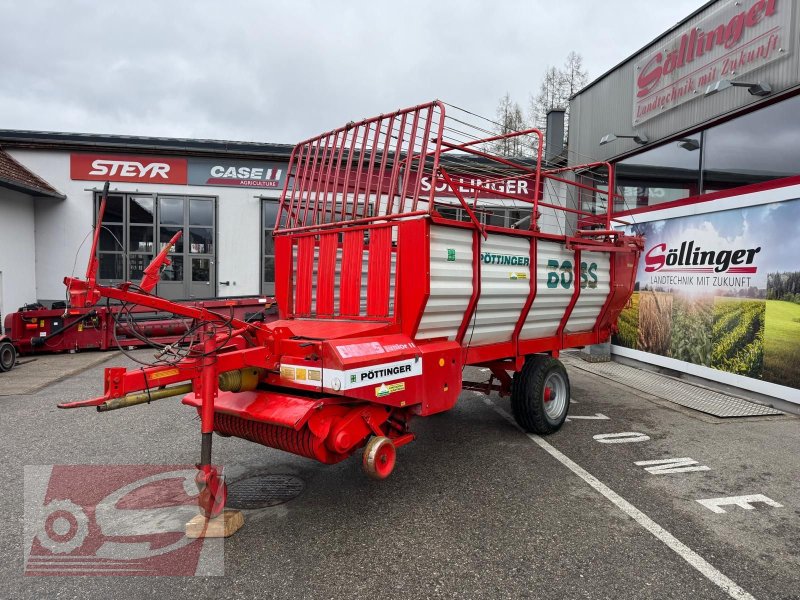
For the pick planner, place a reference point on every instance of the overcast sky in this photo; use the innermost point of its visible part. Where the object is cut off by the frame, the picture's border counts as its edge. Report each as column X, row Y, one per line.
column 275, row 71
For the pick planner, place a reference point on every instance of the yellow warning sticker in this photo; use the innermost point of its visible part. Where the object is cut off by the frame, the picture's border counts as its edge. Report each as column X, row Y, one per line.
column 302, row 375
column 517, row 276
column 163, row 374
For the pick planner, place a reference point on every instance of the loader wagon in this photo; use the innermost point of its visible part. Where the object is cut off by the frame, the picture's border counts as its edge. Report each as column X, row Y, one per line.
column 408, row 246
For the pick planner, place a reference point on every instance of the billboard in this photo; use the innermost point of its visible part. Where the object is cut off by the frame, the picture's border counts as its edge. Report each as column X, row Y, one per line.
column 737, row 38
column 721, row 290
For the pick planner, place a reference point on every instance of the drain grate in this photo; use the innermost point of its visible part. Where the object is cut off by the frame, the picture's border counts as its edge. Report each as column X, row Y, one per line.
column 679, row 392
column 262, row 491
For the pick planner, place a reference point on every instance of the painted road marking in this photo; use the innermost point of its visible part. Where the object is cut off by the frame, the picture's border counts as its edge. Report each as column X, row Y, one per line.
column 595, row 417
column 671, row 465
column 625, row 437
column 745, row 502
column 673, row 543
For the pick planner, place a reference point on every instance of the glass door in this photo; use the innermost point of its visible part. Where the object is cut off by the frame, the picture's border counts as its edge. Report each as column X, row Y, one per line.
column 137, row 226
column 192, row 272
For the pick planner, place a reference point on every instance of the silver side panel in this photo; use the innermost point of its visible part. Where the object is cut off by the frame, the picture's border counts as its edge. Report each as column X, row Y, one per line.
column 595, row 280
column 504, row 289
column 450, row 281
column 552, row 297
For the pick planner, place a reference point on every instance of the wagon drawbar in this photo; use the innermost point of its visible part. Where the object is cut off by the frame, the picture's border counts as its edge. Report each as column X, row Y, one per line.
column 407, row 247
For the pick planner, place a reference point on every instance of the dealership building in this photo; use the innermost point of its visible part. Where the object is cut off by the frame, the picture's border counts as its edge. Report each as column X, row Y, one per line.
column 703, row 128
column 223, row 196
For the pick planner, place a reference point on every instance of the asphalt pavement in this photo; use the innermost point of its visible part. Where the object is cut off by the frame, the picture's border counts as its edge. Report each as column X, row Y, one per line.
column 474, row 509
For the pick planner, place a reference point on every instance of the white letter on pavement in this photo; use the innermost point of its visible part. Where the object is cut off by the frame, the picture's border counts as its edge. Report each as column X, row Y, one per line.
column 595, row 417
column 671, row 465
column 713, row 504
column 621, row 438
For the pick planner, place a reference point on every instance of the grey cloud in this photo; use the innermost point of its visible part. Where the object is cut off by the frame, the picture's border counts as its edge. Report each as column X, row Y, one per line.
column 283, row 71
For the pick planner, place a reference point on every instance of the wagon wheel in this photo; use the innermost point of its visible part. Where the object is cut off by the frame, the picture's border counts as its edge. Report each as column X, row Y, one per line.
column 380, row 456
column 8, row 356
column 540, row 395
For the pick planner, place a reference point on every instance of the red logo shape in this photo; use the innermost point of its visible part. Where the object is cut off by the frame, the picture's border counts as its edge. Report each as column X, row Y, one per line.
column 115, row 520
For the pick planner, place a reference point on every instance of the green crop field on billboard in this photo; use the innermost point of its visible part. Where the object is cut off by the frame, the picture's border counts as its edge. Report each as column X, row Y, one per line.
column 721, row 290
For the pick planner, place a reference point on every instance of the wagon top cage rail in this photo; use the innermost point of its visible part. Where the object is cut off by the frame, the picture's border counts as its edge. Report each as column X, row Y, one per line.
column 452, row 165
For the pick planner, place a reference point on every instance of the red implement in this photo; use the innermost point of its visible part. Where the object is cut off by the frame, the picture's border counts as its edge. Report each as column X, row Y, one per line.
column 407, row 247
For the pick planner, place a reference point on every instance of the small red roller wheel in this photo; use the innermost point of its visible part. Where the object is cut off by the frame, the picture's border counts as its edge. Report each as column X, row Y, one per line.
column 380, row 456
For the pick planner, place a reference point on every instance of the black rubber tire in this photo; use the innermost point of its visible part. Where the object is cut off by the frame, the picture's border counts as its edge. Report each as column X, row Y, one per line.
column 8, row 356
column 527, row 395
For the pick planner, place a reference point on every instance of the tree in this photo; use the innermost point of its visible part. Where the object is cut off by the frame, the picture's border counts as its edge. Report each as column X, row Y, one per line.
column 510, row 118
column 555, row 90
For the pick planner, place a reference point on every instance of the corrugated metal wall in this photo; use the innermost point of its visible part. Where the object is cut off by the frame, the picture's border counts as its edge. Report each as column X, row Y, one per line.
column 606, row 106
column 504, row 289
column 451, row 283
column 550, row 303
column 595, row 280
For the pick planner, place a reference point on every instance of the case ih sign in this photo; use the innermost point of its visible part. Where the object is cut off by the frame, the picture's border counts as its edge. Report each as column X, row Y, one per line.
column 237, row 173
column 134, row 169
column 736, row 39
column 177, row 171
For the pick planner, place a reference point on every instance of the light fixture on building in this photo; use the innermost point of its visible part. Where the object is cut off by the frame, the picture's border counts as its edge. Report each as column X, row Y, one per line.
column 689, row 144
column 756, row 89
column 639, row 138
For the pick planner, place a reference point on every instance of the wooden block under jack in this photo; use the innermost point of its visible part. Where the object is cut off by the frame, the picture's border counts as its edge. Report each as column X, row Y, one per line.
column 225, row 525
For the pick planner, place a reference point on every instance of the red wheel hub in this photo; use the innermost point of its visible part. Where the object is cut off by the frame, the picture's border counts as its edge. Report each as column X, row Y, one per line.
column 380, row 456
column 548, row 394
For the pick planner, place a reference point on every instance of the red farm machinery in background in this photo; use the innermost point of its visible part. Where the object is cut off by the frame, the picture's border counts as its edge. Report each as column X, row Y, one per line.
column 408, row 246
column 34, row 329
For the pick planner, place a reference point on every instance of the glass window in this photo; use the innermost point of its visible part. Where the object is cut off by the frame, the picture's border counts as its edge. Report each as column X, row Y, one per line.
column 141, row 210
column 201, row 270
column 269, row 269
column 110, row 266
column 496, row 217
column 201, row 212
column 111, row 237
column 448, row 213
column 753, row 148
column 137, row 265
column 269, row 242
column 661, row 174
column 173, row 272
column 140, row 238
column 201, row 240
column 171, row 211
column 165, row 235
column 114, row 209
column 270, row 214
